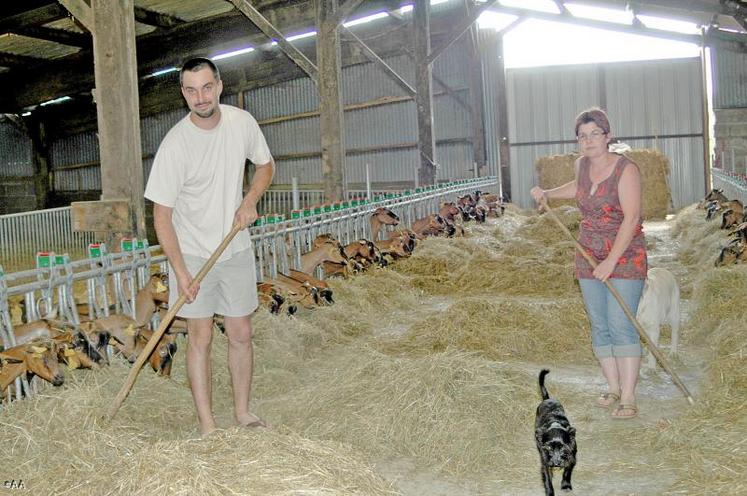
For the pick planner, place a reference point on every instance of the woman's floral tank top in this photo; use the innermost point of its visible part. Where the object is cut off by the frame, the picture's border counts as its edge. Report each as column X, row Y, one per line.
column 602, row 216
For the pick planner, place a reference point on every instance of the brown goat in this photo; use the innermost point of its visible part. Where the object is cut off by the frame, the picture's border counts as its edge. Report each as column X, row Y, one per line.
column 714, row 195
column 38, row 357
column 382, row 217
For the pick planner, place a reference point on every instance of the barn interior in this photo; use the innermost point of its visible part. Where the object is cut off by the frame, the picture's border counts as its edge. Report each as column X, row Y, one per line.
column 421, row 378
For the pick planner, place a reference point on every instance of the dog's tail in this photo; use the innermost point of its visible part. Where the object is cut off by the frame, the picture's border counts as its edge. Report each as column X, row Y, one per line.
column 543, row 373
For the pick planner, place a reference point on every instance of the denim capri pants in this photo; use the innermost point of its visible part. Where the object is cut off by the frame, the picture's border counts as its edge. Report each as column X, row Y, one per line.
column 612, row 333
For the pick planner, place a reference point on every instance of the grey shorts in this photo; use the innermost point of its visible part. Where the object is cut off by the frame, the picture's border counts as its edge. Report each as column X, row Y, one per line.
column 228, row 289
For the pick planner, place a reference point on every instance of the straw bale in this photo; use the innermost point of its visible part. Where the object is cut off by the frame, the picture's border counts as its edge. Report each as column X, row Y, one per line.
column 503, row 328
column 556, row 170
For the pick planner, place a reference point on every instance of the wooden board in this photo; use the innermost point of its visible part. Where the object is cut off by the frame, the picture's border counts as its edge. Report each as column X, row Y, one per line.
column 102, row 216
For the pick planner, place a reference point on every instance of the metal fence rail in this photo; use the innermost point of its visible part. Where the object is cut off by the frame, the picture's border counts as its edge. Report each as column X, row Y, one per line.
column 23, row 234
column 112, row 279
column 280, row 201
column 733, row 184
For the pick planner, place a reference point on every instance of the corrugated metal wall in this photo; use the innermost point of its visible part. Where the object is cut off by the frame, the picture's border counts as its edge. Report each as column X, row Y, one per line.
column 377, row 126
column 730, row 79
column 15, row 151
column 657, row 99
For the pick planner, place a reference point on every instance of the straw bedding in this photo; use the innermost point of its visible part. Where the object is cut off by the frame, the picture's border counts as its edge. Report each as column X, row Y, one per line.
column 434, row 361
column 499, row 329
column 706, row 444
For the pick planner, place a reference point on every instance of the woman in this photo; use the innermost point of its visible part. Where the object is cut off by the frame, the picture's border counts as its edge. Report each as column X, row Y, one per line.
column 607, row 189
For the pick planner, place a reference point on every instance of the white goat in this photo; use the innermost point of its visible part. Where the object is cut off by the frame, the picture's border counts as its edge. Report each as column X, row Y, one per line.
column 660, row 304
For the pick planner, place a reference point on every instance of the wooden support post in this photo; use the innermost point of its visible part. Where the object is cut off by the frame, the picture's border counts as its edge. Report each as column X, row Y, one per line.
column 424, row 97
column 331, row 110
column 116, row 95
column 40, row 154
column 501, row 114
column 476, row 102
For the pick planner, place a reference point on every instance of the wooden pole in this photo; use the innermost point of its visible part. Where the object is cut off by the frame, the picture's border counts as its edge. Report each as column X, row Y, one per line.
column 644, row 336
column 150, row 346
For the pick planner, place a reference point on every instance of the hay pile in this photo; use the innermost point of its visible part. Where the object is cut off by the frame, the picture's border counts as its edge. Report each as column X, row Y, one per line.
column 58, row 444
column 446, row 410
column 519, row 266
column 557, row 170
column 700, row 240
column 521, row 275
column 551, row 331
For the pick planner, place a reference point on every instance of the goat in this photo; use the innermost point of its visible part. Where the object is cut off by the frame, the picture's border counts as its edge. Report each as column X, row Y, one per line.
column 714, row 195
column 431, row 225
column 148, row 299
column 382, row 217
column 733, row 253
column 162, row 356
column 274, row 299
column 327, row 251
column 324, row 291
column 92, row 346
column 38, row 357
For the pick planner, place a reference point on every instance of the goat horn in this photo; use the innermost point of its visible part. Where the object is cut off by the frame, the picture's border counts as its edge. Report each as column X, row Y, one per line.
column 38, row 349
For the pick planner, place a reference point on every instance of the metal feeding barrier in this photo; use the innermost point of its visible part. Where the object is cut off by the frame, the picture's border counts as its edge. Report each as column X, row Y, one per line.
column 113, row 279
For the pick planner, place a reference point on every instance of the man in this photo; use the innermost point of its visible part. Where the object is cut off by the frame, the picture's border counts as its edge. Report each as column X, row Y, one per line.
column 195, row 186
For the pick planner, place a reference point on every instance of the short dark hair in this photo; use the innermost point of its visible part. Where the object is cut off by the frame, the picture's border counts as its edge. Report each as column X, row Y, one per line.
column 197, row 64
column 595, row 115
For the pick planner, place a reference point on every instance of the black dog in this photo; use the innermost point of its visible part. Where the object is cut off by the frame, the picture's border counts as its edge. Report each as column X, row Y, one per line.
column 556, row 439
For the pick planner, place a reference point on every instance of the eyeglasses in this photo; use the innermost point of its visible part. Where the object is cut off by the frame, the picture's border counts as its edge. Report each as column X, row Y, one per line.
column 594, row 135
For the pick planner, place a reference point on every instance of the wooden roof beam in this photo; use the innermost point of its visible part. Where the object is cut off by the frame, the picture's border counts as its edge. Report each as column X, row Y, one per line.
column 459, row 30
column 62, row 36
column 35, row 17
column 82, row 12
column 13, row 60
column 371, row 55
column 347, row 9
column 271, row 32
column 157, row 19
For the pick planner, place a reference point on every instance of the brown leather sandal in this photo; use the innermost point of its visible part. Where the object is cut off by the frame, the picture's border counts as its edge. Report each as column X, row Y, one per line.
column 616, row 413
column 607, row 400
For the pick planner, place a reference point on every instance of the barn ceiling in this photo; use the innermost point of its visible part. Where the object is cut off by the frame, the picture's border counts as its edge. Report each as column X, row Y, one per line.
column 46, row 54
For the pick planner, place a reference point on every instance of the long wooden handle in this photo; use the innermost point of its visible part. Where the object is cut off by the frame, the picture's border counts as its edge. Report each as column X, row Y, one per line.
column 135, row 370
column 641, row 331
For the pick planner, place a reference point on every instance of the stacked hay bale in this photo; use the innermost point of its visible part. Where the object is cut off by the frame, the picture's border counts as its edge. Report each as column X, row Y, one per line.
column 557, row 170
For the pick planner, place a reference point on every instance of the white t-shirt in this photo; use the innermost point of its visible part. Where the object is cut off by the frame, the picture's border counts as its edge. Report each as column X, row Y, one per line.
column 198, row 173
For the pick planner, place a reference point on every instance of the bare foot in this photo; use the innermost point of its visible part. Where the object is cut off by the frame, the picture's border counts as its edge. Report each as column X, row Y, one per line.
column 207, row 427
column 251, row 420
